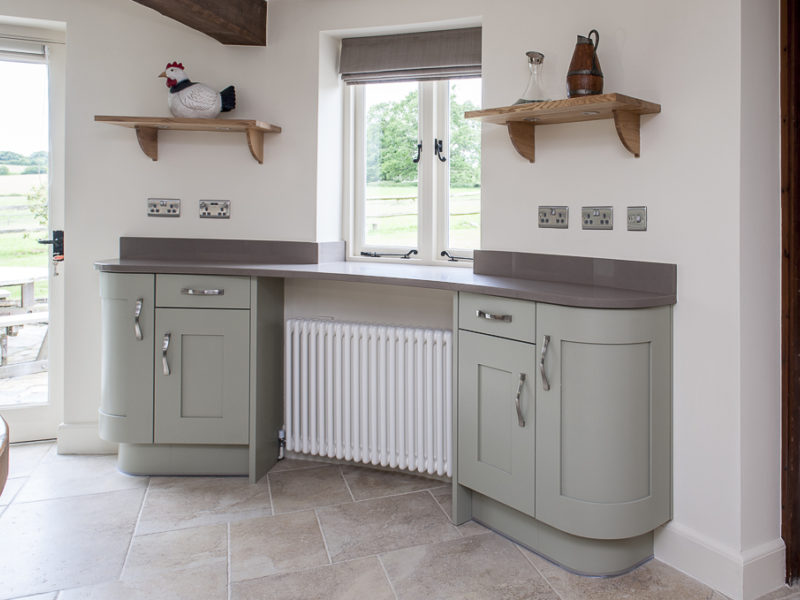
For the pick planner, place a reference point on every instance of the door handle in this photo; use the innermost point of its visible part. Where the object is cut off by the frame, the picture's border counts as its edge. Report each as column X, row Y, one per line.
column 164, row 348
column 520, row 418
column 137, row 311
column 545, row 382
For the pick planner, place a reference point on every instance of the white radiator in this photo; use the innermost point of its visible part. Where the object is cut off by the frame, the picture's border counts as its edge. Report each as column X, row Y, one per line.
column 370, row 393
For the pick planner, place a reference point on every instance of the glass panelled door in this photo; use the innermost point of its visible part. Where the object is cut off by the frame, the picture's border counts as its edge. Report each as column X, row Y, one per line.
column 26, row 270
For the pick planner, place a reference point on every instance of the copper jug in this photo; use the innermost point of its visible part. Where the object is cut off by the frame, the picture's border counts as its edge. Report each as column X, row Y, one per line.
column 585, row 77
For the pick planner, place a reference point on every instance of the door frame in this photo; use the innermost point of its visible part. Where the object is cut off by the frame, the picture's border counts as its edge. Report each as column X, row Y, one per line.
column 790, row 286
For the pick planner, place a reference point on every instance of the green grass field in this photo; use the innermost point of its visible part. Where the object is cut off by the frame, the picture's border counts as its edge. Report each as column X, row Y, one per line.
column 391, row 216
column 20, row 249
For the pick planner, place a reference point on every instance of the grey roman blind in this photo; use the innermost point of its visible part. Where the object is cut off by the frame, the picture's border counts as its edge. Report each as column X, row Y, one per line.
column 21, row 50
column 445, row 54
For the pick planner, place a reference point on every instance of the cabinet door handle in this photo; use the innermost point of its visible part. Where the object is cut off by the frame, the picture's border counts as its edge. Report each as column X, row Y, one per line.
column 520, row 418
column 490, row 317
column 545, row 382
column 164, row 348
column 137, row 311
column 199, row 292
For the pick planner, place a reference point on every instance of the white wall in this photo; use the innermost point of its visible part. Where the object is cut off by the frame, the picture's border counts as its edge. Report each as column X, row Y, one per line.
column 707, row 175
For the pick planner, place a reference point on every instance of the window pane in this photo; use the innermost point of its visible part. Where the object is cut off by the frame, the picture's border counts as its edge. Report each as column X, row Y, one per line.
column 392, row 132
column 464, row 228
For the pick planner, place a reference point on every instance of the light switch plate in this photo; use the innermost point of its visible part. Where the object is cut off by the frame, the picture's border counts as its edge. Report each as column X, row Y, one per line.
column 637, row 218
column 597, row 217
column 215, row 209
column 163, row 207
column 556, row 217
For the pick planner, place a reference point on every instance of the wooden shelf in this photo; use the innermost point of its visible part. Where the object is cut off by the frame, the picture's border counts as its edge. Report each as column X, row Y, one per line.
column 147, row 130
column 522, row 119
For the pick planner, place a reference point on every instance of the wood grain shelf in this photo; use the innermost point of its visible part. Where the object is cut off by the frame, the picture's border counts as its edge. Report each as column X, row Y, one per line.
column 522, row 119
column 147, row 130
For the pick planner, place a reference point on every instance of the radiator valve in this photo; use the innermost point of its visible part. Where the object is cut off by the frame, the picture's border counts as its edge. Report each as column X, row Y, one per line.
column 281, row 444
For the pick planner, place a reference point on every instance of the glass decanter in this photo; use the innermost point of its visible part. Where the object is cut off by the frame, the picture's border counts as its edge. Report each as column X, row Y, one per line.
column 535, row 90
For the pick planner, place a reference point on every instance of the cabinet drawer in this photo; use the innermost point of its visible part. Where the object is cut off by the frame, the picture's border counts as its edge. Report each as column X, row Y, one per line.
column 504, row 317
column 202, row 291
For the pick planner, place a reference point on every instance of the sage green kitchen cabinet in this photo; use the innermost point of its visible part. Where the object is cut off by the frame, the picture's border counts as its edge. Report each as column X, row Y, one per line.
column 603, row 431
column 127, row 306
column 496, row 442
column 202, row 376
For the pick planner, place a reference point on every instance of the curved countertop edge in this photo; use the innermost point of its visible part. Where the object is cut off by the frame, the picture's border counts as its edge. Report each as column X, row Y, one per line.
column 443, row 278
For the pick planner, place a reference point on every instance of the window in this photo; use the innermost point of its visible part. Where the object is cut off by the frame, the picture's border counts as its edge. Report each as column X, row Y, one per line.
column 413, row 178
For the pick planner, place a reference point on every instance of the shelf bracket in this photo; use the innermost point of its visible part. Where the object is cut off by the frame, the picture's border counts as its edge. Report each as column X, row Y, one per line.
column 148, row 140
column 523, row 137
column 627, row 125
column 255, row 141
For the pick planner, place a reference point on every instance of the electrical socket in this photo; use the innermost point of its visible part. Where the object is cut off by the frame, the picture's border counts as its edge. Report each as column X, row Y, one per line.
column 637, row 218
column 163, row 207
column 556, row 217
column 215, row 209
column 597, row 217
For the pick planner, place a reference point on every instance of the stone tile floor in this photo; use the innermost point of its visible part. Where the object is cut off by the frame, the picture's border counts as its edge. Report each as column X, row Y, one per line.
column 73, row 527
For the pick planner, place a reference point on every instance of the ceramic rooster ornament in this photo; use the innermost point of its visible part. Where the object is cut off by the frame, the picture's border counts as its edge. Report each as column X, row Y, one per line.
column 188, row 99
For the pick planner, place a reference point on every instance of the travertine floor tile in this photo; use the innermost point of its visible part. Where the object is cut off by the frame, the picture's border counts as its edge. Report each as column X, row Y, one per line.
column 308, row 488
column 291, row 464
column 68, row 542
column 178, row 502
column 370, row 483
column 384, row 524
column 12, row 488
column 72, row 475
column 784, row 593
column 652, row 581
column 269, row 545
column 48, row 596
column 192, row 549
column 197, row 584
column 479, row 567
column 24, row 458
column 444, row 496
column 362, row 579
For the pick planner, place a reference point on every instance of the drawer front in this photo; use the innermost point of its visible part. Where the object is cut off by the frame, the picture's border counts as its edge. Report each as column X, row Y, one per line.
column 202, row 291
column 503, row 317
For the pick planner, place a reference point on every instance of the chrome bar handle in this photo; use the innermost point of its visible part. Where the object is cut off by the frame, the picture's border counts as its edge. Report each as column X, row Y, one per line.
column 545, row 382
column 198, row 292
column 490, row 317
column 520, row 418
column 164, row 348
column 137, row 311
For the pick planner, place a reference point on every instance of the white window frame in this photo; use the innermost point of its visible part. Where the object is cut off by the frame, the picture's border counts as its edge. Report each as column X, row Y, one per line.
column 433, row 187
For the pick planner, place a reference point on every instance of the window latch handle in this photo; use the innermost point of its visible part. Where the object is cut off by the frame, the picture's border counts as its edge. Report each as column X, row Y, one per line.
column 419, row 151
column 437, row 146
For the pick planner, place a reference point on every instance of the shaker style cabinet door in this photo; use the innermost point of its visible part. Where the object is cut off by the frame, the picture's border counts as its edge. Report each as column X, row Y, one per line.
column 126, row 349
column 496, row 423
column 202, row 376
column 603, row 412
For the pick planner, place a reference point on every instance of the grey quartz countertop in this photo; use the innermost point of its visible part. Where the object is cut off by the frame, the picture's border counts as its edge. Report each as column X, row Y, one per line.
column 444, row 278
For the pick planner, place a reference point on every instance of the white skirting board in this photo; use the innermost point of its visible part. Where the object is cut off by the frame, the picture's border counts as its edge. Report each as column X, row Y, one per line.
column 739, row 575
column 82, row 438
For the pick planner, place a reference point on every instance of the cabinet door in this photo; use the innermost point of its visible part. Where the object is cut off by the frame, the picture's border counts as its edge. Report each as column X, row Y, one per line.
column 603, row 427
column 495, row 450
column 126, row 351
column 202, row 391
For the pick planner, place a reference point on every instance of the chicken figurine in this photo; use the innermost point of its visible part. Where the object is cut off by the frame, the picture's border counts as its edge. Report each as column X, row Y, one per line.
column 188, row 99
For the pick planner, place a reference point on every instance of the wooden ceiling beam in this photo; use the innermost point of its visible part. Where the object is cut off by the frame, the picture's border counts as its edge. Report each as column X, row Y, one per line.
column 232, row 22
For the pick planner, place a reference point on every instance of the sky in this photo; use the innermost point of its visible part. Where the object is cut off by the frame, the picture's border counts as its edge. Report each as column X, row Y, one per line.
column 23, row 107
